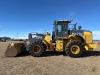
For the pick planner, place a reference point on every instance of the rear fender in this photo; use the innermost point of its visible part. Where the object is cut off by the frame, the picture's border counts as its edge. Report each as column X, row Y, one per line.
column 76, row 37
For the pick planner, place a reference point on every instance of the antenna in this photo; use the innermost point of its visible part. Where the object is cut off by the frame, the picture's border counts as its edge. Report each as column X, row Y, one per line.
column 45, row 31
column 17, row 36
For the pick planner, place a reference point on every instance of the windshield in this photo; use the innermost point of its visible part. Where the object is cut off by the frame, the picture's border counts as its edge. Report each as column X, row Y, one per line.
column 59, row 28
column 62, row 27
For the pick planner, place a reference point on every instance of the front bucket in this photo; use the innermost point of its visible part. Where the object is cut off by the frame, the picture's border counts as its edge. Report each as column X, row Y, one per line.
column 14, row 49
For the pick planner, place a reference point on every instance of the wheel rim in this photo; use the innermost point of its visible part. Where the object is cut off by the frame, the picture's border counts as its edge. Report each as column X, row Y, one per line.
column 75, row 49
column 36, row 48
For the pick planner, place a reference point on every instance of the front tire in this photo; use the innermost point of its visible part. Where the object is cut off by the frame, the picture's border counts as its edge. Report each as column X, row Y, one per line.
column 37, row 48
column 74, row 49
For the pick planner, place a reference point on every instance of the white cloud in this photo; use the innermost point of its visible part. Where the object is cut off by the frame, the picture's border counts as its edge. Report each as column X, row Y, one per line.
column 21, row 37
column 96, row 35
column 72, row 13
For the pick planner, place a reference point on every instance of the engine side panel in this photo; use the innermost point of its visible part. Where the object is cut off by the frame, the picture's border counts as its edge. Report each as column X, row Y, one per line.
column 87, row 36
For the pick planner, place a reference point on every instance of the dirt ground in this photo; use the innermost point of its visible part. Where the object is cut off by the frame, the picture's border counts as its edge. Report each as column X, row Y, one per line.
column 52, row 64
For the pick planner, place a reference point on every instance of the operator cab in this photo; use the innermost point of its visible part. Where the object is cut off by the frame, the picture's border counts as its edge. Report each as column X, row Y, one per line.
column 60, row 29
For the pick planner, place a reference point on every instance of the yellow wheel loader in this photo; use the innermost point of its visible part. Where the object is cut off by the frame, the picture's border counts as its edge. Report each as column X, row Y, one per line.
column 71, row 40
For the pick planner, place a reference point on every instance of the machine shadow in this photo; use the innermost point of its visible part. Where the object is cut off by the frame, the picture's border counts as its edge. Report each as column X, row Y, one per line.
column 54, row 53
column 23, row 54
column 85, row 54
column 47, row 54
column 91, row 53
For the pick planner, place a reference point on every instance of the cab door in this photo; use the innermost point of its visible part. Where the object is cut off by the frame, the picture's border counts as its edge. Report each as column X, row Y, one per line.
column 59, row 31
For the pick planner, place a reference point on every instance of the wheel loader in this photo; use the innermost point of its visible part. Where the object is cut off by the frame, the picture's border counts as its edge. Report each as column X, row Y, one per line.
column 65, row 38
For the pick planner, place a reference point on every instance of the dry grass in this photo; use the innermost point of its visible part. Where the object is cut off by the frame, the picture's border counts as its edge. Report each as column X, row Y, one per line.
column 51, row 64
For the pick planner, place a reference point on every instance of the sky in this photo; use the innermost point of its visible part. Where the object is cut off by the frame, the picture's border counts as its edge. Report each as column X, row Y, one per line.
column 24, row 16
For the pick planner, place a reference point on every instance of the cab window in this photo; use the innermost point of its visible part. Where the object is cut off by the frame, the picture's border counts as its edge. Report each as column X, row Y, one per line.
column 59, row 28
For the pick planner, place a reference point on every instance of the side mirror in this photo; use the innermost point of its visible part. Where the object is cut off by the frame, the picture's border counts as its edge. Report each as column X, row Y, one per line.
column 79, row 27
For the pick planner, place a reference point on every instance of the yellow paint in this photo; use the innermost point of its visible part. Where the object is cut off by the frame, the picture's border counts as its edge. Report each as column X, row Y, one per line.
column 59, row 45
column 75, row 49
column 87, row 36
column 48, row 40
column 73, row 37
column 70, row 37
column 86, row 48
column 90, row 46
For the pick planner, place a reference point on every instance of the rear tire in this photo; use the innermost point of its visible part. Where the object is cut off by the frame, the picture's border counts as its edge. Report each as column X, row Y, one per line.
column 74, row 49
column 37, row 48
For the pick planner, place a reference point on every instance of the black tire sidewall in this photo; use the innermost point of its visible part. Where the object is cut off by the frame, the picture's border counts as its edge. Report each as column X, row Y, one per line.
column 40, row 53
column 68, row 48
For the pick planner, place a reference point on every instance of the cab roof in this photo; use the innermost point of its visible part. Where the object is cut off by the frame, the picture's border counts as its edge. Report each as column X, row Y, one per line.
column 62, row 21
